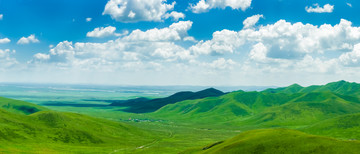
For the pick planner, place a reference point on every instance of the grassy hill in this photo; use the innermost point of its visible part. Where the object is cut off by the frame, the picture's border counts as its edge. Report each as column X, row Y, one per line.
column 347, row 126
column 20, row 107
column 224, row 108
column 340, row 87
column 143, row 105
column 306, row 109
column 279, row 141
column 64, row 132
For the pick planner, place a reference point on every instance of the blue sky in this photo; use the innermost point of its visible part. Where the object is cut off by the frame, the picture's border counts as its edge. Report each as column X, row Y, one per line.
column 194, row 42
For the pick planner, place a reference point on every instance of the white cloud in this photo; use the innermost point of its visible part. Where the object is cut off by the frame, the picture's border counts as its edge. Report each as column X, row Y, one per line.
column 327, row 8
column 174, row 32
column 175, row 15
column 206, row 5
column 6, row 60
column 136, row 10
column 349, row 4
column 103, row 32
column 41, row 56
column 27, row 40
column 5, row 40
column 351, row 58
column 224, row 41
column 251, row 21
column 284, row 40
column 1, row 16
column 144, row 49
column 88, row 19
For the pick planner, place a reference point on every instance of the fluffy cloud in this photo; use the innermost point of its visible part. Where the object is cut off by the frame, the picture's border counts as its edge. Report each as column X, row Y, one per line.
column 5, row 40
column 224, row 41
column 206, row 5
column 27, row 40
column 284, row 40
column 103, row 32
column 1, row 16
column 351, row 58
column 175, row 32
column 41, row 56
column 136, row 10
column 251, row 21
column 327, row 8
column 143, row 49
column 175, row 15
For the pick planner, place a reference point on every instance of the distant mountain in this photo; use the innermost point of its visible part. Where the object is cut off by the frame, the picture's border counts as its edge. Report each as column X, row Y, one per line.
column 340, row 87
column 143, row 105
column 21, row 107
column 264, row 109
column 279, row 141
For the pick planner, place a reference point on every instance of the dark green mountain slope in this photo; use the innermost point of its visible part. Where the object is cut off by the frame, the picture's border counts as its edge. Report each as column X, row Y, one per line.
column 224, row 108
column 347, row 126
column 279, row 141
column 139, row 106
column 20, row 107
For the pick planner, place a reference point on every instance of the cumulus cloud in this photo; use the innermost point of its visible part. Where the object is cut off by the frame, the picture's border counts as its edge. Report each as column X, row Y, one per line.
column 175, row 32
column 5, row 40
column 143, row 49
column 135, row 10
column 284, row 40
column 103, row 32
column 251, row 21
column 351, row 58
column 224, row 41
column 327, row 8
column 29, row 39
column 175, row 15
column 41, row 56
column 1, row 16
column 206, row 5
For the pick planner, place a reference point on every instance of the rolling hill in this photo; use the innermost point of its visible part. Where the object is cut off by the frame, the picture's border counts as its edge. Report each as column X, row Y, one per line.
column 265, row 109
column 279, row 141
column 143, row 105
column 20, row 107
column 64, row 132
column 341, row 87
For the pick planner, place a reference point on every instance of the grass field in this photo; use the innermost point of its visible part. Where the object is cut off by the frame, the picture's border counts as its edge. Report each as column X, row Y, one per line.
column 96, row 127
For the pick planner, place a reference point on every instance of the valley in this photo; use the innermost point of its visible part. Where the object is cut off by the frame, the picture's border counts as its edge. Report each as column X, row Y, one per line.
column 315, row 119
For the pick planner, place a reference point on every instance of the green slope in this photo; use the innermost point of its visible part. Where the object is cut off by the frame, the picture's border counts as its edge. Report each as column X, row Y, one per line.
column 143, row 105
column 52, row 131
column 223, row 108
column 347, row 126
column 340, row 87
column 262, row 109
column 306, row 109
column 279, row 141
column 20, row 107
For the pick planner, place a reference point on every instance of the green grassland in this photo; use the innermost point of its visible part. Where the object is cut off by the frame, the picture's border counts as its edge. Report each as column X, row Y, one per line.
column 270, row 121
column 271, row 141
